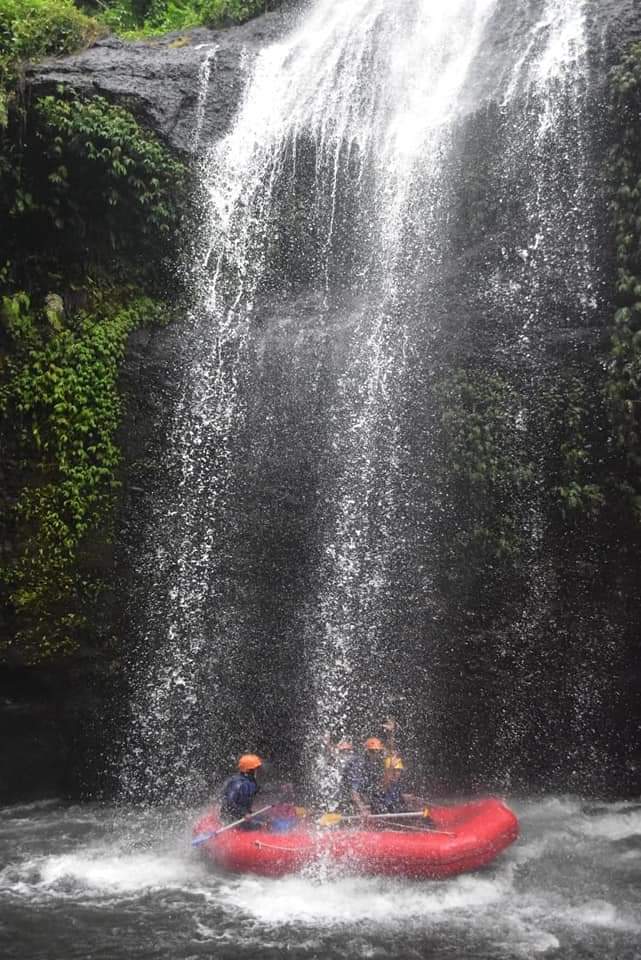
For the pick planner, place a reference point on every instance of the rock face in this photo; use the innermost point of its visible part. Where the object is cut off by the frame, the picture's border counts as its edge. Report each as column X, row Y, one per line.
column 55, row 738
column 616, row 23
column 57, row 730
column 185, row 86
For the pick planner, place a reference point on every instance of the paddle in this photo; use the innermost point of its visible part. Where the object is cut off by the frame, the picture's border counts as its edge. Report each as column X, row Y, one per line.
column 331, row 819
column 204, row 837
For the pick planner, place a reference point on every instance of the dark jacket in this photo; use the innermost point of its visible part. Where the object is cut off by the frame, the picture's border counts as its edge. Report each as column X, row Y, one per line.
column 238, row 794
column 390, row 799
column 364, row 777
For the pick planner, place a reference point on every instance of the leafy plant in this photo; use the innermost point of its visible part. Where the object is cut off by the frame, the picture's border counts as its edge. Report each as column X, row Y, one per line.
column 141, row 18
column 220, row 13
column 135, row 20
column 481, row 451
column 567, row 407
column 62, row 393
column 623, row 387
column 131, row 174
column 31, row 29
column 85, row 184
column 93, row 205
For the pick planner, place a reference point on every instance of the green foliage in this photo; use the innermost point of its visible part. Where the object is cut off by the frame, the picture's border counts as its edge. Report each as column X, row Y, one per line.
column 84, row 184
column 93, row 206
column 124, row 169
column 139, row 19
column 623, row 389
column 142, row 18
column 510, row 453
column 62, row 393
column 31, row 29
column 480, row 430
column 567, row 407
column 220, row 13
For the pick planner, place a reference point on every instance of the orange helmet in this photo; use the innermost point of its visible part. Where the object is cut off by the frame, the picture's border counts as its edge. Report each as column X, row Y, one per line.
column 373, row 743
column 249, row 762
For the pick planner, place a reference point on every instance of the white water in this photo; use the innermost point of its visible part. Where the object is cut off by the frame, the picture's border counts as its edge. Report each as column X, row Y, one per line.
column 420, row 62
column 204, row 78
column 114, row 882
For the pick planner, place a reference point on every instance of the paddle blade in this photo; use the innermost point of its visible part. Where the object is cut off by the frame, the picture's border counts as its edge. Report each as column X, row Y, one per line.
column 330, row 819
column 202, row 838
column 427, row 812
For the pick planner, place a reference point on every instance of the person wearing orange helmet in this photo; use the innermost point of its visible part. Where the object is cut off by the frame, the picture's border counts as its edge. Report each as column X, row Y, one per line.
column 363, row 777
column 393, row 799
column 239, row 790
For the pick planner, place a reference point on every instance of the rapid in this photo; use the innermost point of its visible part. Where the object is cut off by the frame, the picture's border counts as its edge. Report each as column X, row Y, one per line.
column 114, row 882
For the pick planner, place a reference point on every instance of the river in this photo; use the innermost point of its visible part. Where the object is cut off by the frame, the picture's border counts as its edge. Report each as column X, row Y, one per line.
column 110, row 882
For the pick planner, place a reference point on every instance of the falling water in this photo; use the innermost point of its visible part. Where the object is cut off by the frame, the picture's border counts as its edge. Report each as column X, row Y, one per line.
column 553, row 289
column 204, row 79
column 350, row 636
column 338, row 180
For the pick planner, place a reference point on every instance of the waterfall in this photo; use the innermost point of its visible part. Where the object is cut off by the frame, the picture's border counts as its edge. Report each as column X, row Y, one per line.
column 204, row 78
column 334, row 196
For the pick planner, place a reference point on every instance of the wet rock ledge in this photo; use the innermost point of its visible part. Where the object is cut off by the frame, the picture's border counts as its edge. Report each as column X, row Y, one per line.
column 185, row 86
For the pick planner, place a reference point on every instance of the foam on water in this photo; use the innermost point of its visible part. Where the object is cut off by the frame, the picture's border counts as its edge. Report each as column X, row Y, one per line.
column 601, row 913
column 559, row 888
column 611, row 826
column 357, row 900
column 117, row 873
column 100, row 871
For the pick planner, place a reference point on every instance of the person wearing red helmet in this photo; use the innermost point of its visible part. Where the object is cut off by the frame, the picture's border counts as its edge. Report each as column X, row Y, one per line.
column 239, row 790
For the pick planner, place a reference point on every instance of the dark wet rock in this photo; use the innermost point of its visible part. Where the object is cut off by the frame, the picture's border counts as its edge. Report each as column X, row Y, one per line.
column 160, row 79
column 614, row 23
column 58, row 729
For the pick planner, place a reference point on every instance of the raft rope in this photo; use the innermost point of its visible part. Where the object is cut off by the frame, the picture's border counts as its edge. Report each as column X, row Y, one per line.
column 273, row 846
column 407, row 826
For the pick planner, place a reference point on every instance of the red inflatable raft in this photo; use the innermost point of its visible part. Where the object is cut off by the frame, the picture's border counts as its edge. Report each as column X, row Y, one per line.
column 462, row 838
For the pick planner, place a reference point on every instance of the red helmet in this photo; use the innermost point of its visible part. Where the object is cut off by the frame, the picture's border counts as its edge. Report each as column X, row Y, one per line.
column 373, row 743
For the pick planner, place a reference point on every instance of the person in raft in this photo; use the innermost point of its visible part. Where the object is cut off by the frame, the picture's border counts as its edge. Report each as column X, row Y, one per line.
column 394, row 799
column 238, row 792
column 394, row 767
column 363, row 777
column 335, row 758
column 373, row 782
column 389, row 729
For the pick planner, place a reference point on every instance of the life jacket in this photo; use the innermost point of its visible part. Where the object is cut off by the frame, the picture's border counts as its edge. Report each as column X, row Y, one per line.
column 393, row 761
column 238, row 792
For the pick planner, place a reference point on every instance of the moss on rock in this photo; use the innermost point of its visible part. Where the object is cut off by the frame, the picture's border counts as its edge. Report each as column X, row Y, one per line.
column 95, row 205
